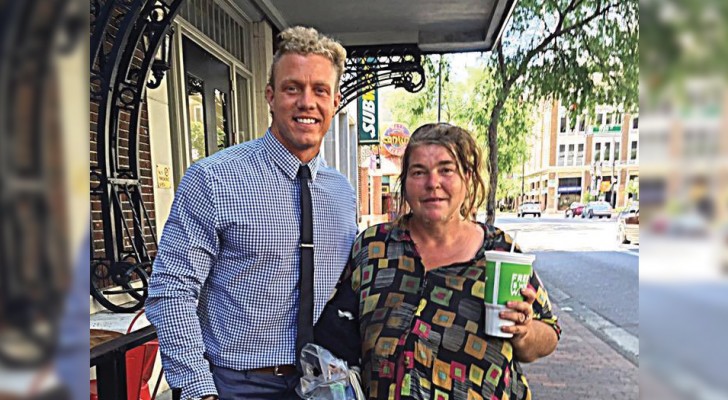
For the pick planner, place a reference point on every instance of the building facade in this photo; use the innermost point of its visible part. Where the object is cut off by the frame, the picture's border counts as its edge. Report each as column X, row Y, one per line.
column 211, row 97
column 581, row 159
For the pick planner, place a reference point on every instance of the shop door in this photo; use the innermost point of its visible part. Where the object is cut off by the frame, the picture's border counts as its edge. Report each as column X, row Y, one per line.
column 208, row 93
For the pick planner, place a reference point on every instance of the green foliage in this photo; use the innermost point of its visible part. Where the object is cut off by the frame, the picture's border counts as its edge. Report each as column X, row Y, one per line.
column 683, row 39
column 584, row 52
column 467, row 103
column 508, row 188
column 197, row 137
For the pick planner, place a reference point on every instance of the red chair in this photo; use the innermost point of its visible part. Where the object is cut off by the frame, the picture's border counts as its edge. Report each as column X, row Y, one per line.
column 139, row 367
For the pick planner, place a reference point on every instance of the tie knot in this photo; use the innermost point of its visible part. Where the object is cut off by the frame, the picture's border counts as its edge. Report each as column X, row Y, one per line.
column 304, row 172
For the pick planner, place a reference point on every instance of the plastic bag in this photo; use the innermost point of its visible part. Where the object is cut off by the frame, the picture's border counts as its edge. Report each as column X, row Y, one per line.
column 326, row 377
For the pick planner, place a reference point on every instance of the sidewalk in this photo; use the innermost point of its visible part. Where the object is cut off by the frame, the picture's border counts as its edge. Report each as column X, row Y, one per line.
column 582, row 367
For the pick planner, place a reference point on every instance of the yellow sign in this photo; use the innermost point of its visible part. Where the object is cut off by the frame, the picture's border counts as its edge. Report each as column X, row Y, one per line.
column 164, row 178
column 605, row 186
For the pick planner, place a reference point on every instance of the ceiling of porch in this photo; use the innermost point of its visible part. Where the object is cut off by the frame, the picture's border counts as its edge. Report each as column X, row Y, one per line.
column 436, row 26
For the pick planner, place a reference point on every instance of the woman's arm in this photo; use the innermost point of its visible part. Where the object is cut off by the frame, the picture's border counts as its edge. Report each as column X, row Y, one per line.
column 337, row 329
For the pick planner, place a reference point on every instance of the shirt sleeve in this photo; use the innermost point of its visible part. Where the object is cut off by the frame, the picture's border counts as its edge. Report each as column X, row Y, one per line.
column 337, row 330
column 187, row 250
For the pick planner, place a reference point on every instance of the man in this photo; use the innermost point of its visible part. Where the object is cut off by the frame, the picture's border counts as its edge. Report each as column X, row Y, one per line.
column 224, row 294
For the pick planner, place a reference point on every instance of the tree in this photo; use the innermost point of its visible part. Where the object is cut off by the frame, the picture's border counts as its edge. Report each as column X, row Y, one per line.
column 466, row 103
column 582, row 52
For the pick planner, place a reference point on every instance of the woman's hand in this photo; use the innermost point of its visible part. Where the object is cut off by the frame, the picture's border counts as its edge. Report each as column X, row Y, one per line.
column 521, row 315
column 532, row 339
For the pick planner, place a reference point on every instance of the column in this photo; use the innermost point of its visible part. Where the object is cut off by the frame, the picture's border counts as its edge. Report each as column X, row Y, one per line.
column 377, row 195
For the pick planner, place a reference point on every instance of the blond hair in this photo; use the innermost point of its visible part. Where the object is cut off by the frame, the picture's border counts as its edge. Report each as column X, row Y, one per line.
column 305, row 41
column 467, row 155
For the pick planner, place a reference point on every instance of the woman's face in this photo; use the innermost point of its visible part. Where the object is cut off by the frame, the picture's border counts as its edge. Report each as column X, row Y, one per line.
column 434, row 189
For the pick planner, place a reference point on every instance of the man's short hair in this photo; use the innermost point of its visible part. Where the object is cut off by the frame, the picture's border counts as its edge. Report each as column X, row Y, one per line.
column 305, row 41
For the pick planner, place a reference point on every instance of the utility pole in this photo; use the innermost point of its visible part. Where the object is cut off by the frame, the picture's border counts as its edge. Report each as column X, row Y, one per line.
column 439, row 88
column 614, row 178
column 523, row 180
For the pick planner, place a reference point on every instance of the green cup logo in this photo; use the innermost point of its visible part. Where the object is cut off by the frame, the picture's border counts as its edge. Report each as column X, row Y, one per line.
column 518, row 282
column 506, row 274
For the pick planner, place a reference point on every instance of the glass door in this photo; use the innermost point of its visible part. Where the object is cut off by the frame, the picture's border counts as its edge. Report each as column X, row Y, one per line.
column 208, row 92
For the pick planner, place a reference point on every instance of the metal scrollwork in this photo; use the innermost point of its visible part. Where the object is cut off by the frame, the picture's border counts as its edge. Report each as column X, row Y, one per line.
column 372, row 67
column 126, row 35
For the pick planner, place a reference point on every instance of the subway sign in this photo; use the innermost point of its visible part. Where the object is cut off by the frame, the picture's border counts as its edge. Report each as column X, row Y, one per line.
column 367, row 111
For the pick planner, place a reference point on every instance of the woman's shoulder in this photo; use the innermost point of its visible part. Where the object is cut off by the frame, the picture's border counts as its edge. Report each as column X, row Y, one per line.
column 378, row 232
column 496, row 238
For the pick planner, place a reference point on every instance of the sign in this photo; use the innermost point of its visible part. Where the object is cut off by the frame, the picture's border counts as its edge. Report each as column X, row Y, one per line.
column 367, row 106
column 569, row 189
column 395, row 139
column 164, row 173
column 612, row 128
column 605, row 186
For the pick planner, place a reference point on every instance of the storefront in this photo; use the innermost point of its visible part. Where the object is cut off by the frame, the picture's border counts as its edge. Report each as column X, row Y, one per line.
column 568, row 191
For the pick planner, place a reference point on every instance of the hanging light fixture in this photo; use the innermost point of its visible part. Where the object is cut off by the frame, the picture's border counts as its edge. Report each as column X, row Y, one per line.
column 162, row 57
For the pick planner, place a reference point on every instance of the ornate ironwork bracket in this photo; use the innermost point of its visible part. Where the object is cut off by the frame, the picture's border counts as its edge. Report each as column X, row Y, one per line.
column 125, row 37
column 373, row 67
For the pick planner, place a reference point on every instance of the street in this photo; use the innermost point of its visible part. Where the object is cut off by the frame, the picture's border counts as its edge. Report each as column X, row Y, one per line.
column 594, row 284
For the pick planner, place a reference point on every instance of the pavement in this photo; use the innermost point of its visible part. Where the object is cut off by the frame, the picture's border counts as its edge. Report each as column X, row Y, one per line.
column 582, row 367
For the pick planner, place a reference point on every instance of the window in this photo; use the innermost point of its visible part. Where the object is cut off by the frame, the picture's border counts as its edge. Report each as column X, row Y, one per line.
column 616, row 151
column 243, row 105
column 597, row 151
column 635, row 122
column 600, row 119
column 562, row 155
column 562, row 127
column 570, row 156
column 230, row 32
column 580, row 154
column 633, row 151
column 582, row 124
column 607, row 153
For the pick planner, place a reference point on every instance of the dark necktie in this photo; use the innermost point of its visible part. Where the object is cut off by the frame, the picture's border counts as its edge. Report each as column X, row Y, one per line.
column 305, row 311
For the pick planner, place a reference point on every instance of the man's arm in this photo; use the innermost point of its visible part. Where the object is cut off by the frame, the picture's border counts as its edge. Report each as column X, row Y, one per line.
column 187, row 251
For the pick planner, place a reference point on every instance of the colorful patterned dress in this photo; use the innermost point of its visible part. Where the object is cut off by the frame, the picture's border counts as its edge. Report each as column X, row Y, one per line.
column 417, row 334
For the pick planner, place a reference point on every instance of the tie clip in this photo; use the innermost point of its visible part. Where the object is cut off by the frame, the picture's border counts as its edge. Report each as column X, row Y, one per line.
column 307, row 245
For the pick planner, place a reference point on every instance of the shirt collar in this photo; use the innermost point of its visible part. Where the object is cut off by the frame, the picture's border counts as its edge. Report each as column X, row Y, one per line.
column 287, row 162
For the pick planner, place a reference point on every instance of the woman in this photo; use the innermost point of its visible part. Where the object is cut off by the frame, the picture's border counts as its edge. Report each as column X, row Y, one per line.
column 406, row 308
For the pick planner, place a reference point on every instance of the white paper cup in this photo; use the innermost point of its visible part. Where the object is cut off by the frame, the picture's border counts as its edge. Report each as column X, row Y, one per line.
column 506, row 274
column 493, row 322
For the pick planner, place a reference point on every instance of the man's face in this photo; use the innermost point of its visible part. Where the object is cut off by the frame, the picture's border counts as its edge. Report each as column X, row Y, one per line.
column 303, row 102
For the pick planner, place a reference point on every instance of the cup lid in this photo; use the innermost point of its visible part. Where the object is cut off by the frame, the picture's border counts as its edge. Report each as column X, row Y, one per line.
column 515, row 258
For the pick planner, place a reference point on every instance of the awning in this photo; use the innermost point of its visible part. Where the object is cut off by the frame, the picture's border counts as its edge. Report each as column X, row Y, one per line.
column 569, row 189
column 434, row 26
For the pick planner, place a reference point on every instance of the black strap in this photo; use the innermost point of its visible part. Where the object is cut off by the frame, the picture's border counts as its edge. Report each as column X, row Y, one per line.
column 305, row 311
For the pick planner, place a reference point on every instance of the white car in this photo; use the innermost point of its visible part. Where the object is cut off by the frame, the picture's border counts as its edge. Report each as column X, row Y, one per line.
column 529, row 208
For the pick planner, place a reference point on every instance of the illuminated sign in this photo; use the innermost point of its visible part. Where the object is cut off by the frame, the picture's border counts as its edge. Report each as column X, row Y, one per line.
column 395, row 139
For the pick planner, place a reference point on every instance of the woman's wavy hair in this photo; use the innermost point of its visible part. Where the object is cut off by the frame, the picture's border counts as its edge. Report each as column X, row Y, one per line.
column 463, row 148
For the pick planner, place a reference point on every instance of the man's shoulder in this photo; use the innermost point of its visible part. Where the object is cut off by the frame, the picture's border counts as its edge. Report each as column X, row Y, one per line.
column 334, row 177
column 243, row 154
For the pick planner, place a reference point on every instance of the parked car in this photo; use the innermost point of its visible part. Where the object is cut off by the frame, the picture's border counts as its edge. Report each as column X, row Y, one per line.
column 597, row 209
column 628, row 225
column 529, row 208
column 574, row 209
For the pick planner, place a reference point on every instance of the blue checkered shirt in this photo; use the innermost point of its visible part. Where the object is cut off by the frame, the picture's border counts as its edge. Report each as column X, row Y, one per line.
column 224, row 284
